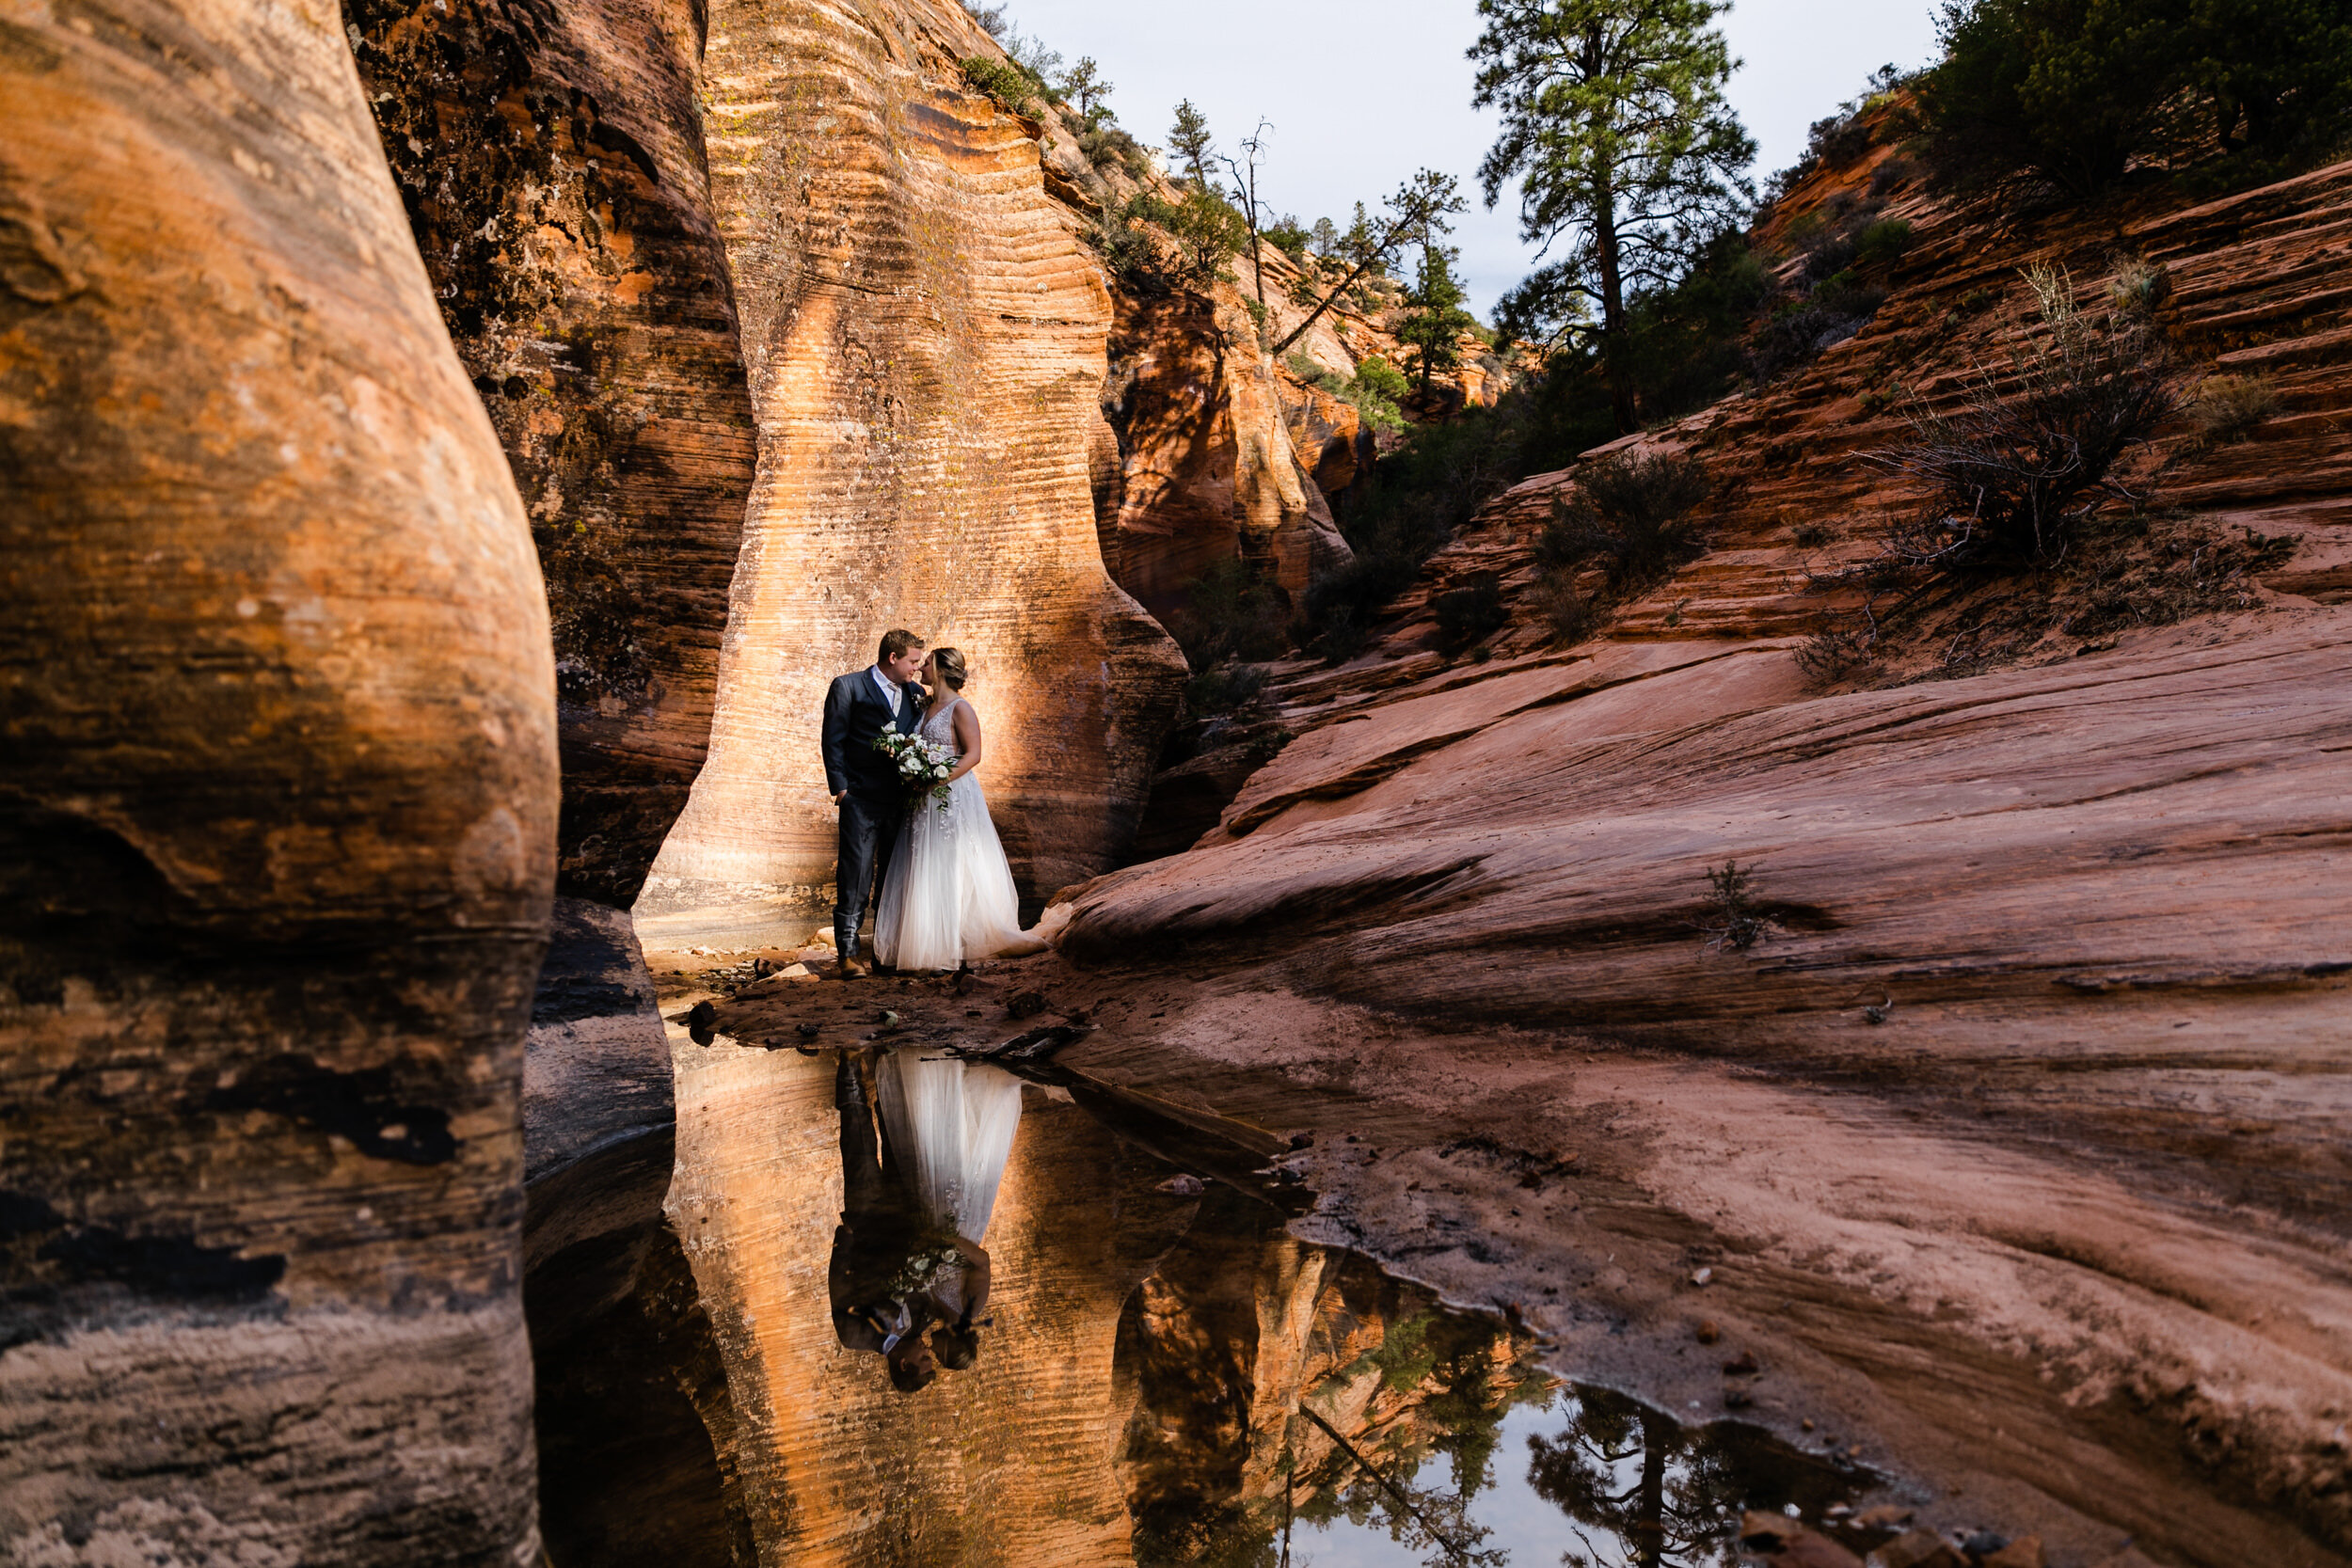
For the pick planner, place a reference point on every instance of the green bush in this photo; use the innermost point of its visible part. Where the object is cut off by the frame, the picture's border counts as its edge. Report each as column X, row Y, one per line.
column 1417, row 495
column 1223, row 687
column 1377, row 377
column 1012, row 88
column 1882, row 242
column 1372, row 391
column 1108, row 146
column 1156, row 244
column 1469, row 613
column 1290, row 237
column 1631, row 513
column 2071, row 94
column 1231, row 611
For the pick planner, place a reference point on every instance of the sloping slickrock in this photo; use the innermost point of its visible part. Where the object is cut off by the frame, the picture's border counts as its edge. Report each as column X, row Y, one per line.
column 278, row 804
column 551, row 163
column 2098, row 902
column 926, row 340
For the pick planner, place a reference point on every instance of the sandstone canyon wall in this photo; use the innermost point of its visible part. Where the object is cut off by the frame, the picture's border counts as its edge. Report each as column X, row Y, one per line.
column 280, row 807
column 925, row 336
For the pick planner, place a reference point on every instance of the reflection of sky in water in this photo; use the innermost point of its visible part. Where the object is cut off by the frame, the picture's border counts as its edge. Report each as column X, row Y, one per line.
column 1709, row 1476
column 1533, row 1532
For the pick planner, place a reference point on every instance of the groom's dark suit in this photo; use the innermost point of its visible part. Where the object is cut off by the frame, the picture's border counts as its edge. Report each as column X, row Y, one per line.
column 855, row 712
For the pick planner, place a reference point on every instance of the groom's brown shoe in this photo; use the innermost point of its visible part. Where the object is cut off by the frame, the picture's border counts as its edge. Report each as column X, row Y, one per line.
column 854, row 968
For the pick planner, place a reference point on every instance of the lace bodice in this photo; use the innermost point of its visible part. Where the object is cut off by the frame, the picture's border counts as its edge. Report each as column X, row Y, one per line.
column 939, row 725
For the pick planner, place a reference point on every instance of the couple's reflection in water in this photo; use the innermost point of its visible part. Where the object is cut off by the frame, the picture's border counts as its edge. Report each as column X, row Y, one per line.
column 924, row 1143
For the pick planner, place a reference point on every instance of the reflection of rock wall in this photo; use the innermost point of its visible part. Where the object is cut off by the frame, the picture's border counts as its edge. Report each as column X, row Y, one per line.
column 1009, row 1461
column 276, row 818
column 925, row 340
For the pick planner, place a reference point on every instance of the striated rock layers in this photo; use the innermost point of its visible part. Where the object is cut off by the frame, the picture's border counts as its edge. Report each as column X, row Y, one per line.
column 2005, row 1105
column 278, row 804
column 552, row 162
column 925, row 336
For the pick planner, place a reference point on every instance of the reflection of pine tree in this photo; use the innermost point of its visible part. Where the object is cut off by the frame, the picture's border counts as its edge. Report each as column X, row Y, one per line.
column 1671, row 1497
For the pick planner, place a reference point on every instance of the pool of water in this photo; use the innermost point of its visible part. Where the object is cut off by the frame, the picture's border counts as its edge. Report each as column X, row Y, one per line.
column 1153, row 1371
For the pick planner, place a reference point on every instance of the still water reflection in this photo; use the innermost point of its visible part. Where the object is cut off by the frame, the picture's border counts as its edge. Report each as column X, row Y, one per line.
column 966, row 1321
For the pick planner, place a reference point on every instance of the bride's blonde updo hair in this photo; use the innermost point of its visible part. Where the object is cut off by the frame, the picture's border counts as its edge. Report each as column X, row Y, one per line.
column 951, row 669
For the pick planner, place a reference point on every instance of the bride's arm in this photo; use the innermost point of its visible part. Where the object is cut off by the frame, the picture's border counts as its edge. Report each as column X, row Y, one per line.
column 966, row 725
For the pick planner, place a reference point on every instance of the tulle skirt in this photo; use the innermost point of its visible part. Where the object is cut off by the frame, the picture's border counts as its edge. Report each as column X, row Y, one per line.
column 950, row 1124
column 948, row 896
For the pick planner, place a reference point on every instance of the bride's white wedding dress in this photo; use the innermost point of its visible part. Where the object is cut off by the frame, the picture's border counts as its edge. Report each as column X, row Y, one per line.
column 950, row 1124
column 949, row 894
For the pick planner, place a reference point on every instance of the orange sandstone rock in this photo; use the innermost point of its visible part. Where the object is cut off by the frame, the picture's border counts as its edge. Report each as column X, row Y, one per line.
column 925, row 335
column 278, row 804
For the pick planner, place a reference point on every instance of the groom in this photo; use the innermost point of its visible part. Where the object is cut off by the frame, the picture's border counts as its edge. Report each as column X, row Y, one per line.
column 863, row 782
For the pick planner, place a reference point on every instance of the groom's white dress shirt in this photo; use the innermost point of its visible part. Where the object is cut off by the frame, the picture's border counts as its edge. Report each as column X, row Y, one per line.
column 891, row 690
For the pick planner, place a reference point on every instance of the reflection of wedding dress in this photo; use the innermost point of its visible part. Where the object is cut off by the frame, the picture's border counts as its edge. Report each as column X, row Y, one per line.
column 951, row 1124
column 950, row 895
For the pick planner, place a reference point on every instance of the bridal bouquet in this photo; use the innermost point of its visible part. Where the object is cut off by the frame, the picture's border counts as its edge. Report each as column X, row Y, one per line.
column 923, row 767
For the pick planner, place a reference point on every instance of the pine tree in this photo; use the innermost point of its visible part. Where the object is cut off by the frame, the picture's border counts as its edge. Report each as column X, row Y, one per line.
column 1614, row 123
column 1084, row 85
column 1435, row 320
column 1190, row 141
column 1421, row 209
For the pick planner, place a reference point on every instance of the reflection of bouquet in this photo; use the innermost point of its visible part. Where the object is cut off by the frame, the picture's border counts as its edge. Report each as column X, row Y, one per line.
column 923, row 766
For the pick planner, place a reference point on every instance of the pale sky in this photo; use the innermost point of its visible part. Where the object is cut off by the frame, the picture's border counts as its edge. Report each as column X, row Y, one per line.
column 1362, row 92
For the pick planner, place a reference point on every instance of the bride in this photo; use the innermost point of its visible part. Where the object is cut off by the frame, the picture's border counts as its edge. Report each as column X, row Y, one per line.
column 948, row 896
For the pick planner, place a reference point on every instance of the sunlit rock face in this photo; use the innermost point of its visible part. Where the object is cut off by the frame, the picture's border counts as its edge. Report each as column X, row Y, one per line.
column 278, row 804
column 924, row 333
column 552, row 166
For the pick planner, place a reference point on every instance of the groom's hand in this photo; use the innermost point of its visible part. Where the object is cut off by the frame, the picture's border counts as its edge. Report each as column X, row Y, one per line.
column 843, row 795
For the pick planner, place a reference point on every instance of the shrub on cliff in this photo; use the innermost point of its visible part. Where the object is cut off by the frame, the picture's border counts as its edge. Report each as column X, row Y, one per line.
column 1469, row 613
column 1634, row 513
column 1372, row 391
column 1012, row 90
column 1155, row 244
column 1291, row 237
column 1232, row 611
column 2073, row 94
column 2011, row 474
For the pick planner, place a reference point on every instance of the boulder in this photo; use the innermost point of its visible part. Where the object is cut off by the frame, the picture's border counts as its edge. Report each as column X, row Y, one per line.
column 277, row 820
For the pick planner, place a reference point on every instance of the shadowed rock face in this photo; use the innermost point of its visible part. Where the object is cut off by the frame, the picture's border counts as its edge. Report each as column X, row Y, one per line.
column 1207, row 473
column 277, row 820
column 925, row 336
column 552, row 161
